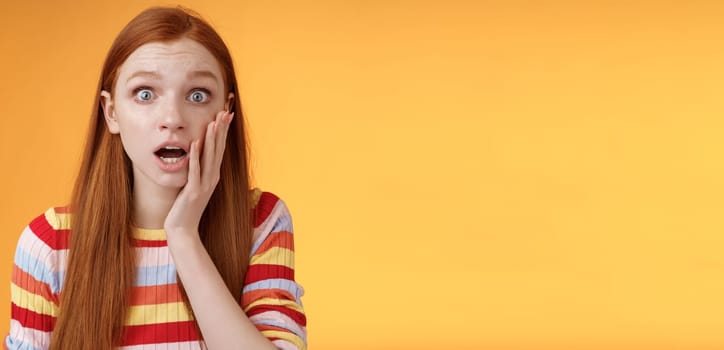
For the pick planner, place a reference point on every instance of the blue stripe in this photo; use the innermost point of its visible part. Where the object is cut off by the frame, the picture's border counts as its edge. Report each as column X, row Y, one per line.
column 38, row 270
column 283, row 223
column 256, row 245
column 155, row 275
column 278, row 283
column 16, row 344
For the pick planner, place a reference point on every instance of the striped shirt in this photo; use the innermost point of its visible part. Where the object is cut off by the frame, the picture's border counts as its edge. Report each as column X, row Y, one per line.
column 158, row 317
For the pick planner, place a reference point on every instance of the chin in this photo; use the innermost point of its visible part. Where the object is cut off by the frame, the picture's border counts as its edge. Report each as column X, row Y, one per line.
column 177, row 181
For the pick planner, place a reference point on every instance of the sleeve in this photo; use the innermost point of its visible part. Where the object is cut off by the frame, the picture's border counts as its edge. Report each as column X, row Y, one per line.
column 34, row 288
column 271, row 297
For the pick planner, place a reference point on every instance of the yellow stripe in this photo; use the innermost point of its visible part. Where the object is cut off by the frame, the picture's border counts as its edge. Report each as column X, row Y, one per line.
column 290, row 337
column 289, row 304
column 63, row 221
column 57, row 221
column 255, row 195
column 275, row 256
column 148, row 234
column 159, row 313
column 32, row 302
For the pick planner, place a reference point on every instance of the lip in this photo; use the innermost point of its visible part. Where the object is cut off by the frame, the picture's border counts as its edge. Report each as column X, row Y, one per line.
column 172, row 167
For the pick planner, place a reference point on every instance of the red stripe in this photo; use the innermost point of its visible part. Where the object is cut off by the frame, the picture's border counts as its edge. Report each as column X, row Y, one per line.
column 254, row 295
column 265, row 327
column 264, row 207
column 62, row 210
column 148, row 244
column 55, row 239
column 158, row 294
column 297, row 316
column 160, row 333
column 258, row 272
column 30, row 319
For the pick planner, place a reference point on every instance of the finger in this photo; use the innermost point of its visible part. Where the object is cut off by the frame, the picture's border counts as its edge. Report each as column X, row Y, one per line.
column 225, row 123
column 207, row 159
column 194, row 167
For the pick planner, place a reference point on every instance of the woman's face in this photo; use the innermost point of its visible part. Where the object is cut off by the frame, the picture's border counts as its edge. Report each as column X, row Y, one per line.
column 164, row 97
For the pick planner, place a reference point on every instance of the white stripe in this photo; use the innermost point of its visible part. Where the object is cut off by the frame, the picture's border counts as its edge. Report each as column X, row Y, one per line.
column 276, row 317
column 153, row 256
column 33, row 337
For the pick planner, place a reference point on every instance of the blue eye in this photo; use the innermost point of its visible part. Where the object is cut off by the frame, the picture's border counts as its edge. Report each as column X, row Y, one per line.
column 144, row 94
column 199, row 96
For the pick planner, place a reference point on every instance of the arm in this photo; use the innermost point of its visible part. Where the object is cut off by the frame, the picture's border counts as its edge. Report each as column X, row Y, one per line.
column 271, row 297
column 35, row 286
column 223, row 323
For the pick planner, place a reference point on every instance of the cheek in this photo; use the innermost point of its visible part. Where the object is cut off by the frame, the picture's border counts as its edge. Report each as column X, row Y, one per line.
column 135, row 145
column 202, row 118
column 133, row 116
column 130, row 126
column 135, row 129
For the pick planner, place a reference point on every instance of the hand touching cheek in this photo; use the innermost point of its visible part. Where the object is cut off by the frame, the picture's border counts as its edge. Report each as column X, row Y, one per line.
column 205, row 159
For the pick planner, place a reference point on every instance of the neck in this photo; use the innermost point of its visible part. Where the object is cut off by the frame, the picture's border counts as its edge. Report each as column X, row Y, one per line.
column 151, row 205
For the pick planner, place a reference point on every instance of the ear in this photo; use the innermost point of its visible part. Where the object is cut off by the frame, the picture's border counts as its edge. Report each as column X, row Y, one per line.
column 109, row 112
column 229, row 102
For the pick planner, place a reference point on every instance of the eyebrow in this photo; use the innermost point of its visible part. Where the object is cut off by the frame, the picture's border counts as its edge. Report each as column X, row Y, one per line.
column 144, row 74
column 155, row 76
column 202, row 74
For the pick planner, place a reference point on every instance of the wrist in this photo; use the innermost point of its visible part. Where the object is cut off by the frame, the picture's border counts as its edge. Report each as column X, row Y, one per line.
column 182, row 238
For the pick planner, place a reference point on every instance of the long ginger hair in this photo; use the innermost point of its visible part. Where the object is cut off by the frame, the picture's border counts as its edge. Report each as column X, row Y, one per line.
column 101, row 261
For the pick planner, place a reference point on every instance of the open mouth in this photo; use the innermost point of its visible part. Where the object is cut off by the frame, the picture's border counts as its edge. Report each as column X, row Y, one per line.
column 171, row 154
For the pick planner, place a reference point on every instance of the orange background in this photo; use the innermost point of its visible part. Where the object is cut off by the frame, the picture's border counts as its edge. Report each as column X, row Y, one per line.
column 461, row 174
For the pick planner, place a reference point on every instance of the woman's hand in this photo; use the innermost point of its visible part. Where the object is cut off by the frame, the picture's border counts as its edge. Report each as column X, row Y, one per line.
column 203, row 176
column 222, row 322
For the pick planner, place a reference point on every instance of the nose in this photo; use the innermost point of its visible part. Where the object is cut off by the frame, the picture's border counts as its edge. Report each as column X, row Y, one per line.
column 171, row 117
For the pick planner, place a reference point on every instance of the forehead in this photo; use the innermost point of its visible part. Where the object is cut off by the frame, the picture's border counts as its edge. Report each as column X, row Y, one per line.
column 167, row 58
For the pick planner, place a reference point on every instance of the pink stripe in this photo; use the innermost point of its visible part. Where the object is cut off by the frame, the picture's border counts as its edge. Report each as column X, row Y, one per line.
column 32, row 245
column 187, row 345
column 148, row 256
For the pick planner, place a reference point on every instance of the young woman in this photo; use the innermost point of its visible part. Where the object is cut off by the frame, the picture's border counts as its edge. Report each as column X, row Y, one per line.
column 164, row 245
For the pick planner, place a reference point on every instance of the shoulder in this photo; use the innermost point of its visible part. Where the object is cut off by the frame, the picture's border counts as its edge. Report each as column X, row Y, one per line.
column 51, row 228
column 41, row 251
column 265, row 205
column 270, row 215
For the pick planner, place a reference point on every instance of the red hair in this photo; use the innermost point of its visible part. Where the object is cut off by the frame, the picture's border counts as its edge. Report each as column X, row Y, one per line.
column 101, row 266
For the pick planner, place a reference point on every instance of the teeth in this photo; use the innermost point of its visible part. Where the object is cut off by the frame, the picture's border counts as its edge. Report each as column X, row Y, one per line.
column 172, row 147
column 171, row 160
